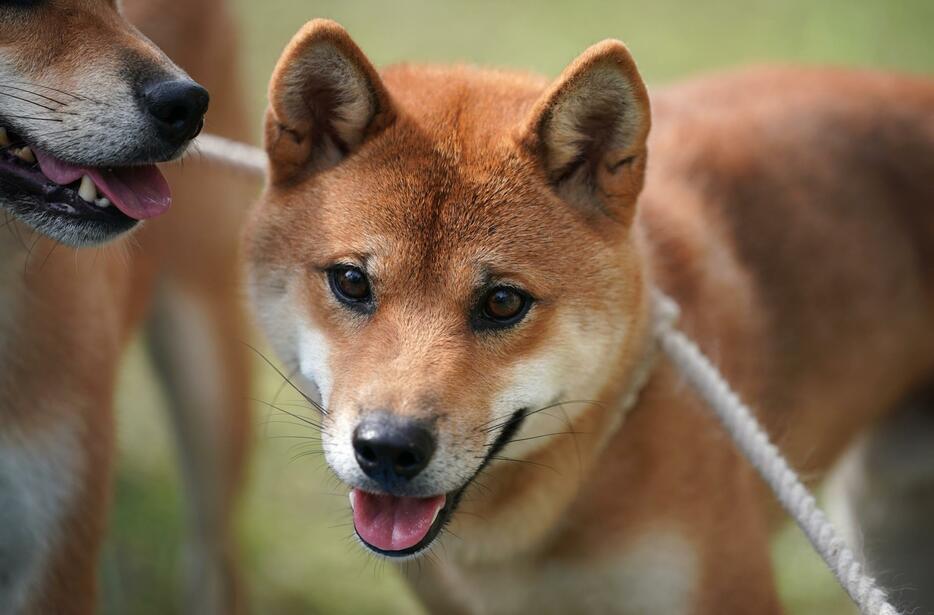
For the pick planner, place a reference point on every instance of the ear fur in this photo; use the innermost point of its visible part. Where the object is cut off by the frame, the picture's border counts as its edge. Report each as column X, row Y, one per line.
column 325, row 99
column 589, row 130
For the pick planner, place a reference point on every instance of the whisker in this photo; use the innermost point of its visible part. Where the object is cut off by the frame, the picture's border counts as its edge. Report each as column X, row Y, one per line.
column 577, row 448
column 55, row 133
column 315, row 404
column 13, row 87
column 31, row 117
column 308, row 454
column 545, row 435
column 292, row 414
column 26, row 100
column 269, row 421
column 525, row 461
column 47, row 87
column 504, row 421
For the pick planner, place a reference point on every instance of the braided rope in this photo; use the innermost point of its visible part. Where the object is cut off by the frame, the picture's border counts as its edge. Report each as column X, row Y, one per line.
column 735, row 416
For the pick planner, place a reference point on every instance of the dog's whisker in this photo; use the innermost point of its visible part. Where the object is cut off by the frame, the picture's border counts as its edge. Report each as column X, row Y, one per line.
column 545, row 435
column 525, row 461
column 26, row 100
column 318, row 432
column 306, row 454
column 33, row 117
column 305, row 396
column 292, row 414
column 486, row 428
column 50, row 88
column 44, row 97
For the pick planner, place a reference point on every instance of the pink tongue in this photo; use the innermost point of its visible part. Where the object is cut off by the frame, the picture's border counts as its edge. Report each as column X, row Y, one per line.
column 139, row 192
column 393, row 523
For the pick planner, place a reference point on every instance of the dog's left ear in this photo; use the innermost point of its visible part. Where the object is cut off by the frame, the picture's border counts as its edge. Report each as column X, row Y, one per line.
column 325, row 99
column 589, row 131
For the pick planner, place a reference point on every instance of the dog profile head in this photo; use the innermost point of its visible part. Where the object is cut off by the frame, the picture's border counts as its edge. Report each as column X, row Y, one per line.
column 441, row 255
column 87, row 105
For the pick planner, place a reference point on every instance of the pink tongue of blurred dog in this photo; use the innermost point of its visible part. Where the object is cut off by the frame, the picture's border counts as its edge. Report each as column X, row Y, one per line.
column 392, row 523
column 139, row 192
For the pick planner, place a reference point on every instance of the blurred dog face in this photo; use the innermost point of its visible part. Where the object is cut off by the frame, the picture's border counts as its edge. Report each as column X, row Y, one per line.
column 443, row 254
column 87, row 104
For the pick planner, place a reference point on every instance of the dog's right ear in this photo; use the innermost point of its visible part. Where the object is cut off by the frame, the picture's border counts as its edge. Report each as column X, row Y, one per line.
column 325, row 99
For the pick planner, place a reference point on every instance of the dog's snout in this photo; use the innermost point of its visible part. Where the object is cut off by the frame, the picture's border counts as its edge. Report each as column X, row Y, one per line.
column 177, row 107
column 391, row 448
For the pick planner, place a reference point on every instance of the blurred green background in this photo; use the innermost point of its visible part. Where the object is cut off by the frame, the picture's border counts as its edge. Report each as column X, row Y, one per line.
column 294, row 524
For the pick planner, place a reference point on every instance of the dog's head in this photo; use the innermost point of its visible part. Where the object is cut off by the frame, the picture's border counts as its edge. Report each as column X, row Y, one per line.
column 442, row 254
column 87, row 105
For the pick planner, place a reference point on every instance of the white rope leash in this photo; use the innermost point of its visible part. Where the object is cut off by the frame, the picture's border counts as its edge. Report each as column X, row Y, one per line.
column 735, row 416
column 238, row 156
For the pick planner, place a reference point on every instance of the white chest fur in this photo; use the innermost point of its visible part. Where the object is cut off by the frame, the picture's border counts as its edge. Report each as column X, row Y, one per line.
column 654, row 574
column 37, row 486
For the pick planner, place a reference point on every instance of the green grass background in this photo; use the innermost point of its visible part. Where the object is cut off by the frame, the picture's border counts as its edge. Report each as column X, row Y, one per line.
column 294, row 523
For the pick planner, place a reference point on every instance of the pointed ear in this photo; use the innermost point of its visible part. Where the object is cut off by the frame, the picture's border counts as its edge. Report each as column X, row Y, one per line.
column 589, row 131
column 325, row 99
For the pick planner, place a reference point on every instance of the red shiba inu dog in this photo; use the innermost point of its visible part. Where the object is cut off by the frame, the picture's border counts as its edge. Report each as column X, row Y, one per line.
column 87, row 106
column 458, row 262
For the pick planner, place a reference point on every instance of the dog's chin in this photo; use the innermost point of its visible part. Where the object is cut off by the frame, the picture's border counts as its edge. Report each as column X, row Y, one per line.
column 66, row 221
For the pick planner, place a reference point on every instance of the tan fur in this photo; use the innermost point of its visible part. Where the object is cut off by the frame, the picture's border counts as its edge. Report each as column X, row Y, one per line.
column 72, row 311
column 786, row 210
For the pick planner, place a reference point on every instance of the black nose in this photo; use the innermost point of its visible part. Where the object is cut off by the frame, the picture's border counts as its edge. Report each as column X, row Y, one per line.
column 390, row 448
column 178, row 108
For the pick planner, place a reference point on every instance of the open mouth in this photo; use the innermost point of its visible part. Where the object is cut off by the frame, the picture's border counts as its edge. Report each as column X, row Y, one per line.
column 398, row 526
column 51, row 193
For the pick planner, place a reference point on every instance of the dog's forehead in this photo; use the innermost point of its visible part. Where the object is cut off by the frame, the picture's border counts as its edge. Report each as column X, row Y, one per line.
column 423, row 202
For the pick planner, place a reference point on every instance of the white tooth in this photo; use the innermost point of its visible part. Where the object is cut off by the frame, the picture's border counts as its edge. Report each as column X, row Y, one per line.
column 25, row 154
column 87, row 191
column 4, row 138
column 353, row 499
column 103, row 203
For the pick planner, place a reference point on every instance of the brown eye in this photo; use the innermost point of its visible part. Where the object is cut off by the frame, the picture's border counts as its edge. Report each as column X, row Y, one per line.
column 503, row 306
column 349, row 284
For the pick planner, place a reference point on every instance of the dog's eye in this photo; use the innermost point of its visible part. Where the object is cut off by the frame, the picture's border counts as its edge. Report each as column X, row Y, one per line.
column 502, row 307
column 350, row 285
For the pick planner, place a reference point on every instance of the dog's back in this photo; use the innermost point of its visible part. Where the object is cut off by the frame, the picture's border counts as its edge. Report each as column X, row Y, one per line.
column 817, row 185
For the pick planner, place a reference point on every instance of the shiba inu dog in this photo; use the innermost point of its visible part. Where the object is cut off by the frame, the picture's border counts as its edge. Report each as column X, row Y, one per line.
column 457, row 263
column 88, row 104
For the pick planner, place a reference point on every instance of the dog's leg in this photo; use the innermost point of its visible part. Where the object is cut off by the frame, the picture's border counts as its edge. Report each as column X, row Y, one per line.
column 196, row 344
column 54, row 493
column 888, row 485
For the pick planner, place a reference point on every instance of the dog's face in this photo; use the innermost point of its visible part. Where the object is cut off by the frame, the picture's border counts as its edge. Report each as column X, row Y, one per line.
column 444, row 255
column 87, row 105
